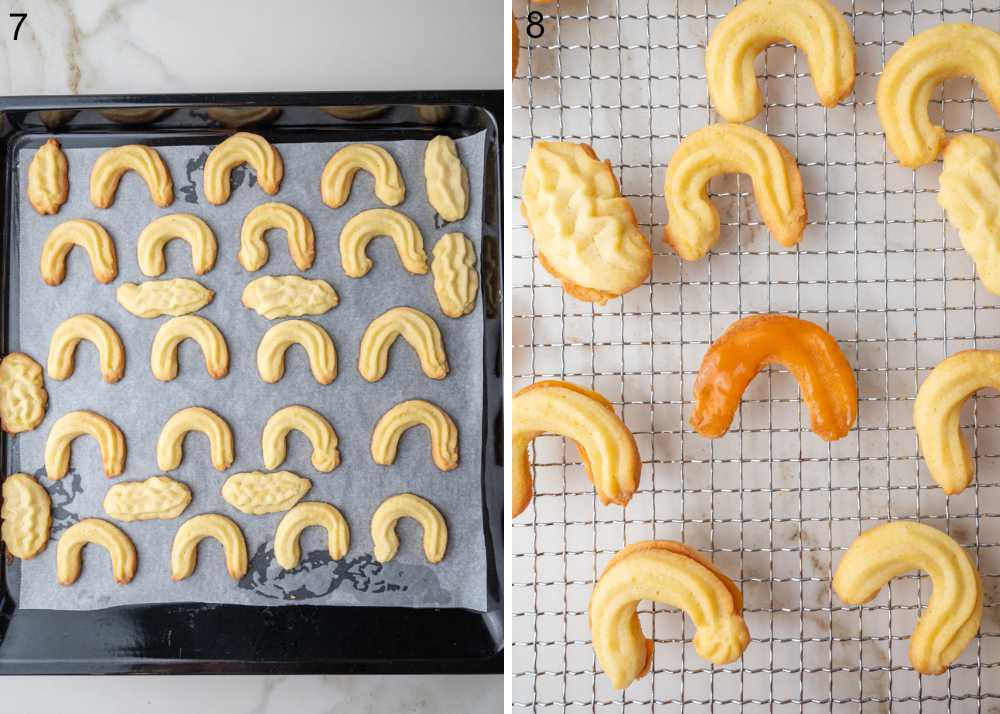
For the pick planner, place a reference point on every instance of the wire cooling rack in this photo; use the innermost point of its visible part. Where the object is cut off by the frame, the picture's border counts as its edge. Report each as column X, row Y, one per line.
column 770, row 503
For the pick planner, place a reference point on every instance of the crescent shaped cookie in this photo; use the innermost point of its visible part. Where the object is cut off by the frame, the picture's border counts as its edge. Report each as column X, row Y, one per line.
column 184, row 551
column 83, row 423
column 302, row 516
column 239, row 117
column 158, row 497
column 88, row 234
column 163, row 355
column 185, row 226
column 289, row 296
column 951, row 618
column 26, row 516
column 814, row 26
column 419, row 509
column 260, row 492
column 242, row 148
column 356, row 113
column 69, row 552
column 913, row 73
column 417, row 328
column 314, row 340
column 362, row 228
column 406, row 415
column 730, row 148
column 154, row 298
column 170, row 446
column 144, row 160
column 23, row 398
column 447, row 180
column 606, row 445
column 316, row 428
column 48, row 179
column 301, row 241
column 673, row 574
column 585, row 231
column 825, row 377
column 338, row 174
column 456, row 280
column 138, row 115
column 62, row 347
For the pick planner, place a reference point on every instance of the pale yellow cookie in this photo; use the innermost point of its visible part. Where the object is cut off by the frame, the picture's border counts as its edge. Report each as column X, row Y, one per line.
column 62, row 347
column 137, row 115
column 730, row 148
column 456, row 280
column 419, row 509
column 585, row 231
column 170, row 446
column 314, row 340
column 301, row 241
column 154, row 298
column 239, row 117
column 314, row 425
column 417, row 328
column 260, row 492
column 338, row 174
column 158, row 497
column 916, row 69
column 289, row 296
column 163, row 356
column 447, row 180
column 26, row 516
column 406, row 415
column 55, row 118
column 84, row 423
column 302, row 516
column 362, row 228
column 816, row 27
column 184, row 551
column 69, row 552
column 357, row 113
column 48, row 179
column 185, row 226
column 144, row 160
column 23, row 398
column 94, row 239
column 951, row 618
column 241, row 148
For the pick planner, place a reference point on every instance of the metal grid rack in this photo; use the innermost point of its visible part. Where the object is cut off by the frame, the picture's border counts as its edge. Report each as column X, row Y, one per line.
column 770, row 503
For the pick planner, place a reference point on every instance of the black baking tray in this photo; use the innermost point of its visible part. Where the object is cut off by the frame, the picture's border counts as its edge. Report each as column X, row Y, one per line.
column 301, row 639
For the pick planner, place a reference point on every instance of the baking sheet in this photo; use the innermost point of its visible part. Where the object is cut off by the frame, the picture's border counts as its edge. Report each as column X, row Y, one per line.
column 140, row 405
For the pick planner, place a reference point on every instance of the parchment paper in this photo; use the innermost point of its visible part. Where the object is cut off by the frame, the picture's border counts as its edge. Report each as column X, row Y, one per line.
column 140, row 405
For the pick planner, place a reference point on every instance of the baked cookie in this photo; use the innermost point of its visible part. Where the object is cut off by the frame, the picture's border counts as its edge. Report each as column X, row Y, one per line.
column 260, row 492
column 69, row 551
column 446, row 178
column 456, row 280
column 358, row 113
column 158, row 497
column 289, row 296
column 144, row 160
column 670, row 573
column 23, row 398
column 48, row 179
column 301, row 241
column 26, row 516
column 242, row 148
column 163, row 355
column 302, row 516
column 314, row 340
column 316, row 428
column 338, row 174
column 62, row 347
column 955, row 609
column 136, row 116
column 406, row 415
column 241, row 117
column 585, row 231
column 362, row 228
column 606, row 445
column 184, row 551
column 155, row 298
column 170, row 446
column 185, row 226
column 825, row 377
column 88, row 234
column 722, row 149
column 419, row 509
column 83, row 423
column 915, row 70
column 417, row 328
